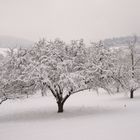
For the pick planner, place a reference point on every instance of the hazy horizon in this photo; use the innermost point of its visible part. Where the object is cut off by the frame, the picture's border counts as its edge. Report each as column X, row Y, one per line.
column 69, row 19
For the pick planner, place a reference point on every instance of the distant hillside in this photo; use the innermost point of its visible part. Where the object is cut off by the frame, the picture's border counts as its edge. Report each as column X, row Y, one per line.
column 13, row 42
column 119, row 41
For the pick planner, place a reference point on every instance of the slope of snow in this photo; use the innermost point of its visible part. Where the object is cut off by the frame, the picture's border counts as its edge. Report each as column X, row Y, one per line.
column 87, row 116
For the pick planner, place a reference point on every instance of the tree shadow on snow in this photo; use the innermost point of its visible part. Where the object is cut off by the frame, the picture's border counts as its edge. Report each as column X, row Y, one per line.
column 48, row 115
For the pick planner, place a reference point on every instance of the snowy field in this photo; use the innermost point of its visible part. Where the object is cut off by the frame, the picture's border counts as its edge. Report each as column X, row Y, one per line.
column 87, row 116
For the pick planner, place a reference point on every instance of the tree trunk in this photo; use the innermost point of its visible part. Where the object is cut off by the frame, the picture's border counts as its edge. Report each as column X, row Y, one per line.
column 43, row 89
column 60, row 107
column 131, row 93
column 42, row 92
column 118, row 89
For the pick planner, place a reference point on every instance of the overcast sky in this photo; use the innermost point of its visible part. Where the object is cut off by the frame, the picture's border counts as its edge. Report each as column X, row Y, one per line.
column 69, row 19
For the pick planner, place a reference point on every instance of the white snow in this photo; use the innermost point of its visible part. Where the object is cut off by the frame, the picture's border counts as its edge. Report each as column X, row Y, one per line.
column 87, row 116
column 3, row 51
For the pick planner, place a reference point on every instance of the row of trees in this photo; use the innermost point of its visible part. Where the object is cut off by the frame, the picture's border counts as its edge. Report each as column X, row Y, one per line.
column 66, row 69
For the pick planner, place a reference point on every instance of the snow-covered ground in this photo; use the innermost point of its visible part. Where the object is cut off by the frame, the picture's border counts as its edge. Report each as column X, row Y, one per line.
column 87, row 116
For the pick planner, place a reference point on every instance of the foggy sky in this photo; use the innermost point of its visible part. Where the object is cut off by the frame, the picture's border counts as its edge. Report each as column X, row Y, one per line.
column 69, row 19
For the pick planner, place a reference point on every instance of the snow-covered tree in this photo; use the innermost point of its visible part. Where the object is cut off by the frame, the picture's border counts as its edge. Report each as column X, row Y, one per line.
column 118, row 69
column 65, row 69
column 60, row 67
column 13, row 74
column 99, row 67
column 126, row 71
column 132, row 71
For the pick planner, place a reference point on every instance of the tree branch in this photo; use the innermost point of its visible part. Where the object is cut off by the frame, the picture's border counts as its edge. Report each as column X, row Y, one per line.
column 65, row 98
column 3, row 100
column 52, row 91
column 79, row 90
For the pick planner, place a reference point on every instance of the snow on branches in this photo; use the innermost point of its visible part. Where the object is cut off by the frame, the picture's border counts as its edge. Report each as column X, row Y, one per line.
column 65, row 69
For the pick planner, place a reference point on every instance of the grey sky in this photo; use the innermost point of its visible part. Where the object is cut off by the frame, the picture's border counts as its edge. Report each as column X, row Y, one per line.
column 69, row 19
